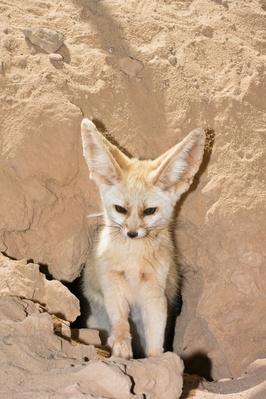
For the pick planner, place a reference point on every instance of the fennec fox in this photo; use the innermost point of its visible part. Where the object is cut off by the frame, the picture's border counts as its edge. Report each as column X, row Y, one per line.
column 131, row 271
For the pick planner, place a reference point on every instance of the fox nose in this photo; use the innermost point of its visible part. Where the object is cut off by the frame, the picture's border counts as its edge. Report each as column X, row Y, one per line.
column 132, row 234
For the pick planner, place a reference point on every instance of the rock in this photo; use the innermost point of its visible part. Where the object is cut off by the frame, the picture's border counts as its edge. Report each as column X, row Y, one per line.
column 130, row 66
column 155, row 378
column 158, row 377
column 32, row 352
column 48, row 40
column 59, row 300
column 32, row 342
column 55, row 57
column 172, row 59
column 35, row 332
column 207, row 31
column 35, row 359
column 42, row 209
column 105, row 380
column 87, row 336
column 20, row 61
column 22, row 279
column 216, row 313
column 16, row 309
column 2, row 67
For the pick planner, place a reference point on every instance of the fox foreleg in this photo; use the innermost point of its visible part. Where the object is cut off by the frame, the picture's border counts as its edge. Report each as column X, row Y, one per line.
column 117, row 308
column 153, row 306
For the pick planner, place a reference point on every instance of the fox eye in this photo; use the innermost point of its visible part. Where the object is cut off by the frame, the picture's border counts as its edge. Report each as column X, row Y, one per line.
column 149, row 211
column 120, row 209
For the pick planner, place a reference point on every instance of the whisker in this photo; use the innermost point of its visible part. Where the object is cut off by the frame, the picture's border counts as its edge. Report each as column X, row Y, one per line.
column 95, row 215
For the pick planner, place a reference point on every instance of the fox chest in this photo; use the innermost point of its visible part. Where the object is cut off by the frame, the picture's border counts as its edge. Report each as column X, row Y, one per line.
column 132, row 273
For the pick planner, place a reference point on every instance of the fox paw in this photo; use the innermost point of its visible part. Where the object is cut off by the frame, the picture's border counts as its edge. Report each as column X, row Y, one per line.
column 121, row 347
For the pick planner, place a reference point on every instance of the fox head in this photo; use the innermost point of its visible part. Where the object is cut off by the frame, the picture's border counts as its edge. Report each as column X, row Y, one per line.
column 139, row 196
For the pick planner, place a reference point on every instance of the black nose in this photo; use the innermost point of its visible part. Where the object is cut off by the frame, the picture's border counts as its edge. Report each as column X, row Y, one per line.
column 132, row 234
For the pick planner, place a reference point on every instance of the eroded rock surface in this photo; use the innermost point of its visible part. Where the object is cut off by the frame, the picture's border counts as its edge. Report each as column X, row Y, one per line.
column 42, row 357
column 22, row 279
column 36, row 362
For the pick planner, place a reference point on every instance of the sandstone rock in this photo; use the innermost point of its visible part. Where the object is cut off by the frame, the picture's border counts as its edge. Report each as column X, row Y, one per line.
column 152, row 378
column 22, row 279
column 48, row 40
column 172, row 59
column 158, row 377
column 40, row 195
column 41, row 361
column 222, row 307
column 16, row 309
column 2, row 67
column 105, row 380
column 207, row 31
column 55, row 57
column 36, row 361
column 87, row 336
column 34, row 335
column 75, row 350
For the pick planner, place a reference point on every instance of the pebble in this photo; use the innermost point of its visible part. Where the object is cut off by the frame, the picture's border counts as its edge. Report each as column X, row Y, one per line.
column 20, row 61
column 207, row 31
column 2, row 67
column 172, row 59
column 196, row 84
column 172, row 50
column 48, row 40
column 55, row 57
column 108, row 60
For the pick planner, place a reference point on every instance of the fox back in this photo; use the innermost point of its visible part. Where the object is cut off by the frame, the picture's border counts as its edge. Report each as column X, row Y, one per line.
column 131, row 270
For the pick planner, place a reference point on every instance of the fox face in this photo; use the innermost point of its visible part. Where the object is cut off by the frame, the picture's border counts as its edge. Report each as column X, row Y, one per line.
column 136, row 207
column 138, row 196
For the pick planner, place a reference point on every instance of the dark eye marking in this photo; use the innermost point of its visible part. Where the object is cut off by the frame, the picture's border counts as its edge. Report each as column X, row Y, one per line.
column 120, row 209
column 149, row 211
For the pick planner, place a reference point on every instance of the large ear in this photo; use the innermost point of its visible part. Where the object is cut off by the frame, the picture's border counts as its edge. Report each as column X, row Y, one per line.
column 105, row 161
column 175, row 169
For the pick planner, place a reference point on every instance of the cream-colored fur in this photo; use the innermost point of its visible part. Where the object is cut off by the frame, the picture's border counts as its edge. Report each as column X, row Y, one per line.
column 136, row 276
